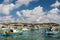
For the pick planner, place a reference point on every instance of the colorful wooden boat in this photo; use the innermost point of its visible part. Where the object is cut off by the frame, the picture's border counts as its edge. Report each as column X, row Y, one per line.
column 12, row 33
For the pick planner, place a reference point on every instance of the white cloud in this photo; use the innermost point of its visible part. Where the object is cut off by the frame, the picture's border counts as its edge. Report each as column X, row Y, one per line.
column 22, row 2
column 18, row 13
column 54, row 11
column 7, row 1
column 18, row 3
column 5, row 9
column 7, row 19
column 7, row 6
column 53, row 15
column 37, row 15
column 32, row 15
column 56, row 4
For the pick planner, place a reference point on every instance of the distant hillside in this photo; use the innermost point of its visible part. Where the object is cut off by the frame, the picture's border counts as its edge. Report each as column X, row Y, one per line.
column 25, row 24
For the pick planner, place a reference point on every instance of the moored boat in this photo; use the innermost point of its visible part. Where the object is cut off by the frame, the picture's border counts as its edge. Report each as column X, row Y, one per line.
column 52, row 31
column 12, row 32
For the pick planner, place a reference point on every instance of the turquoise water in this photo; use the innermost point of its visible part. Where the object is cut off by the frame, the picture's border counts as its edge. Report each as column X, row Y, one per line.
column 31, row 35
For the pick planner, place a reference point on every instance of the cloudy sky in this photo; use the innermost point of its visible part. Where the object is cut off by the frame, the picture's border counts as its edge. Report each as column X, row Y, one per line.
column 30, row 11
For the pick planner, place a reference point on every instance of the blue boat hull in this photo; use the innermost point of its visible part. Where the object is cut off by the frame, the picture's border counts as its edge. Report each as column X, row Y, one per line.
column 6, row 35
column 51, row 33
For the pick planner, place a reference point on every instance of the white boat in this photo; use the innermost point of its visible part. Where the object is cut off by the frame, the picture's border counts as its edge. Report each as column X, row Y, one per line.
column 8, row 32
column 25, row 29
column 51, row 33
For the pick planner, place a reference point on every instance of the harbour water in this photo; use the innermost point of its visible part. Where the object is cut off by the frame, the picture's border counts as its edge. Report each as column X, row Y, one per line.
column 31, row 35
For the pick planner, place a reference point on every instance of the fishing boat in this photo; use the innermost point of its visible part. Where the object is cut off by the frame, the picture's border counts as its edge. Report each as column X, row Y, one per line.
column 12, row 32
column 3, row 27
column 25, row 29
column 52, row 32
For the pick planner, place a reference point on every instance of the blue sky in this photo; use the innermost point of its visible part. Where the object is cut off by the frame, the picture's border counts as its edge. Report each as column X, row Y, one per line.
column 34, row 11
